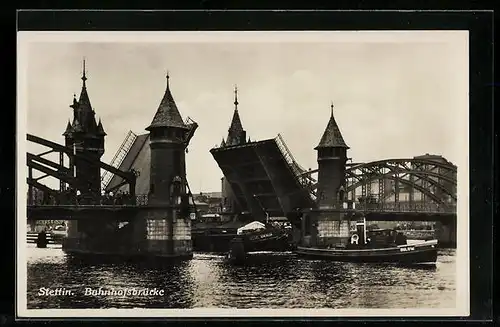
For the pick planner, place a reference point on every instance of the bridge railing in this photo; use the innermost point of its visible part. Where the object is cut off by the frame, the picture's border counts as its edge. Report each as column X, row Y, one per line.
column 407, row 207
column 294, row 166
column 118, row 158
column 118, row 200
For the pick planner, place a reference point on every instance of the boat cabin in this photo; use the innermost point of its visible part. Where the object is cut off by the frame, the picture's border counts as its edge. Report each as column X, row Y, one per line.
column 381, row 238
column 210, row 218
column 251, row 227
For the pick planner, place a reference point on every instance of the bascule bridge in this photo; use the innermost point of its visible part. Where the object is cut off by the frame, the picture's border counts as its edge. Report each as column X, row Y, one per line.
column 120, row 221
column 262, row 179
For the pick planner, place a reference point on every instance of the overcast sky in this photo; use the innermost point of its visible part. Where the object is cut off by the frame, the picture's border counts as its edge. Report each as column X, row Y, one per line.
column 394, row 97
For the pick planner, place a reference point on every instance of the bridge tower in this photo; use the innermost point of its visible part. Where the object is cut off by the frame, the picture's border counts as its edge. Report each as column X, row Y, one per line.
column 168, row 226
column 236, row 135
column 326, row 225
column 85, row 136
column 332, row 158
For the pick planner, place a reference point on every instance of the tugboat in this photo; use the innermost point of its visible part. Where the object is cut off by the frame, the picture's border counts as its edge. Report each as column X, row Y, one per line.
column 376, row 246
column 258, row 237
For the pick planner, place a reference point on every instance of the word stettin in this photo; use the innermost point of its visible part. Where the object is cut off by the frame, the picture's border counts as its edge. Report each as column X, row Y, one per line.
column 124, row 292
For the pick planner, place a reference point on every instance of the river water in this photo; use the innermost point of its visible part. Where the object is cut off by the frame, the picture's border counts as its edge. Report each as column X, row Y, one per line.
column 268, row 280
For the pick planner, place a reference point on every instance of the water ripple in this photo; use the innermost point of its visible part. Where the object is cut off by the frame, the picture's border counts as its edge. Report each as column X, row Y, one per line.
column 269, row 280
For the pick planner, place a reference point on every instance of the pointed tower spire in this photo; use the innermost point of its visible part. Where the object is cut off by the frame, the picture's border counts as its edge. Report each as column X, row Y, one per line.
column 69, row 129
column 332, row 137
column 236, row 134
column 100, row 128
column 236, row 125
column 83, row 108
column 223, row 143
column 74, row 104
column 167, row 114
column 84, row 76
column 235, row 97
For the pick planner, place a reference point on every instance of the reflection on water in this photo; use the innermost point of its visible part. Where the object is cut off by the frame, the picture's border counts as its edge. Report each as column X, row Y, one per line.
column 272, row 280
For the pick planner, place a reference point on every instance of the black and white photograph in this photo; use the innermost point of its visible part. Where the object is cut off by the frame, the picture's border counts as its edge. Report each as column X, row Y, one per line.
column 234, row 174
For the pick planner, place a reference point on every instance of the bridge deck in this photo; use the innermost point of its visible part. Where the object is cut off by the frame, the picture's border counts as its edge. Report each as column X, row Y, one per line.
column 137, row 158
column 261, row 178
column 85, row 212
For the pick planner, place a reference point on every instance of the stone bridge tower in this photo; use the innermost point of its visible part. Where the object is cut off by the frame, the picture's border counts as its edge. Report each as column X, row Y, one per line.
column 85, row 136
column 168, row 226
column 332, row 158
column 327, row 225
column 236, row 135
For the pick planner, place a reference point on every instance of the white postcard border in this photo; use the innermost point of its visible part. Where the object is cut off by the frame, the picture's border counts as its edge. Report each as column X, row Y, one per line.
column 462, row 252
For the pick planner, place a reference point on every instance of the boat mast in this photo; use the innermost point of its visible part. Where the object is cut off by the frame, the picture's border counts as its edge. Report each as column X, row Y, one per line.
column 364, row 229
column 262, row 207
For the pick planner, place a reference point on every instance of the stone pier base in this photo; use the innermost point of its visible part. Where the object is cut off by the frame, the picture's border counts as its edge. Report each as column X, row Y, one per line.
column 151, row 234
column 446, row 234
column 325, row 228
column 333, row 233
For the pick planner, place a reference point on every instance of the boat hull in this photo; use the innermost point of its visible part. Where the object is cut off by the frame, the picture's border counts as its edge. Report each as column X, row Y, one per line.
column 278, row 242
column 217, row 243
column 425, row 252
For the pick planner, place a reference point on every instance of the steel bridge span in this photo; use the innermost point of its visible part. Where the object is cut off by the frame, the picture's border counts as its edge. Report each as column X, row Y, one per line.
column 408, row 185
column 264, row 178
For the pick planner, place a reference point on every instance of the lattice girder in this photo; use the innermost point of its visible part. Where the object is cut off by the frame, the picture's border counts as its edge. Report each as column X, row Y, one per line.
column 410, row 172
column 65, row 174
column 363, row 179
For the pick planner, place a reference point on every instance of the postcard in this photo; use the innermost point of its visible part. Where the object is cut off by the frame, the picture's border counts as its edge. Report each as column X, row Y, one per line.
column 243, row 174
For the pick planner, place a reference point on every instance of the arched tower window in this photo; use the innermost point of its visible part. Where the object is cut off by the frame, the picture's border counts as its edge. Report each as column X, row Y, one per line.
column 341, row 193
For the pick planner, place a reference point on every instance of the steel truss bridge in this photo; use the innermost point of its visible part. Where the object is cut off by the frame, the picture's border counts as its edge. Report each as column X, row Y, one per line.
column 406, row 185
column 264, row 178
column 47, row 203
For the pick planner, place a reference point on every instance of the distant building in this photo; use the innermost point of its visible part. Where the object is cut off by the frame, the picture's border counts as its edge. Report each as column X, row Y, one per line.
column 208, row 203
column 447, row 185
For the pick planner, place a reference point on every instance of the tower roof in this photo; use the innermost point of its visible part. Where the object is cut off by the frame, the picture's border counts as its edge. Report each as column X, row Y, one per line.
column 167, row 114
column 84, row 100
column 236, row 133
column 69, row 129
column 100, row 128
column 236, row 125
column 83, row 114
column 77, row 127
column 332, row 137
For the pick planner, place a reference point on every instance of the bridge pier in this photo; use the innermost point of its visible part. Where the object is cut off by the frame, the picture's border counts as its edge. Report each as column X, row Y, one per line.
column 100, row 236
column 446, row 233
column 32, row 226
column 150, row 232
column 325, row 227
column 167, row 234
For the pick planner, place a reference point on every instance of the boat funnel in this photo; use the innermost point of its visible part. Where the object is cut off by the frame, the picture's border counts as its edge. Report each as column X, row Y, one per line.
column 361, row 230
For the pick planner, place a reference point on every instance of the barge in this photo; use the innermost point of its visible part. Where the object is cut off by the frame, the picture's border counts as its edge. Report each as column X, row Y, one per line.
column 212, row 235
column 376, row 246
